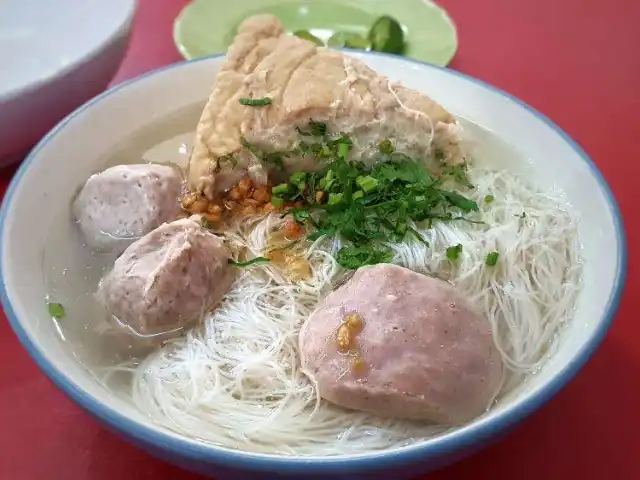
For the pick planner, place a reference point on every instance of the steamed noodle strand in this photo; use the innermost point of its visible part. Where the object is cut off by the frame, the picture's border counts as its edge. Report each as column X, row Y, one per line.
column 236, row 380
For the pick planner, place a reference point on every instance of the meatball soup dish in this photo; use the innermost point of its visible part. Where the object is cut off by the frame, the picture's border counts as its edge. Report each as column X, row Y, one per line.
column 335, row 271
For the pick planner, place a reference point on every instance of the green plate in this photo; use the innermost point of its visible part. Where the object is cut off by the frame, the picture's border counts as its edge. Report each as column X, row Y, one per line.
column 205, row 27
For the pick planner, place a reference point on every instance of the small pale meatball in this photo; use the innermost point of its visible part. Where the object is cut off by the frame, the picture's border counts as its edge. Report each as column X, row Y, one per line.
column 395, row 343
column 125, row 202
column 167, row 280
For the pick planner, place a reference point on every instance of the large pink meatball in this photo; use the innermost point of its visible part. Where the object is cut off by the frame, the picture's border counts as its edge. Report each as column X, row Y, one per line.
column 423, row 351
column 121, row 204
column 168, row 279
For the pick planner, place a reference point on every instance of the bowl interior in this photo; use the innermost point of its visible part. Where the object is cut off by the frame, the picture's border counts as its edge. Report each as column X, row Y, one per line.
column 166, row 103
column 40, row 39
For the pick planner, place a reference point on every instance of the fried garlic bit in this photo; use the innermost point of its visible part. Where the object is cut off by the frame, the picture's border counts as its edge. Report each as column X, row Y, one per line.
column 354, row 322
column 358, row 366
column 244, row 199
column 351, row 325
column 344, row 337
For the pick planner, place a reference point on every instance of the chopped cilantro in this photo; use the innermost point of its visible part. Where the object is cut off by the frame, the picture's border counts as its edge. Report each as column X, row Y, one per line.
column 461, row 202
column 318, row 129
column 315, row 129
column 366, row 205
column 356, row 257
column 367, row 183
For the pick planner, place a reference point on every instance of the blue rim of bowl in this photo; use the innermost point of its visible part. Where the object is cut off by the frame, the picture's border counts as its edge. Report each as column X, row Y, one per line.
column 438, row 447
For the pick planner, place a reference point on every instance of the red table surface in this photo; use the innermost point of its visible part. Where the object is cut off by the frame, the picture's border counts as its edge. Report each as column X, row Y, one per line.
column 577, row 61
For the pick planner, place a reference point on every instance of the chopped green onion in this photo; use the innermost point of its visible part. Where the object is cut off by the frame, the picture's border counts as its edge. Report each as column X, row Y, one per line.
column 328, row 185
column 277, row 202
column 454, row 252
column 367, row 183
column 492, row 258
column 334, row 198
column 299, row 179
column 343, row 150
column 357, row 195
column 253, row 261
column 56, row 310
column 330, row 175
column 306, row 35
column 255, row 102
column 282, row 189
column 488, row 199
column 386, row 147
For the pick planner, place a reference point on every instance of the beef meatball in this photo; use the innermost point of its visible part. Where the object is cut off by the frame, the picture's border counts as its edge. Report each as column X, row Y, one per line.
column 396, row 343
column 167, row 280
column 125, row 202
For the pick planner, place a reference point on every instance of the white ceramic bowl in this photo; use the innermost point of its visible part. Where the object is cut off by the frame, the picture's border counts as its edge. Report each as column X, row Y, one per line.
column 44, row 187
column 55, row 55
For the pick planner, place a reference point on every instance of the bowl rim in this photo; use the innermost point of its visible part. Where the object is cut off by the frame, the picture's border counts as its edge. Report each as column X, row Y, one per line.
column 183, row 448
column 39, row 81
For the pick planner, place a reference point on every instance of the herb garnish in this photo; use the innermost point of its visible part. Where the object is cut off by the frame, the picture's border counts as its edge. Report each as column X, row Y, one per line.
column 492, row 258
column 367, row 206
column 458, row 173
column 274, row 159
column 256, row 102
column 316, row 129
column 56, row 310
column 454, row 252
column 355, row 257
column 386, row 147
column 248, row 263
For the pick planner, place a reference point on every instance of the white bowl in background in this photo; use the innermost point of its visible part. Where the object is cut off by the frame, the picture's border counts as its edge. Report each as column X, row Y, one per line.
column 46, row 185
column 54, row 56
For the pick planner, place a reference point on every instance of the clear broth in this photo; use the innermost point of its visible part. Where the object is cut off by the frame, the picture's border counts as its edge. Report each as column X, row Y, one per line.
column 74, row 285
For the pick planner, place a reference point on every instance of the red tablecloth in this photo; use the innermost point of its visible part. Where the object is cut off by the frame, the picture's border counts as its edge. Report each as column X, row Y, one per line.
column 576, row 61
